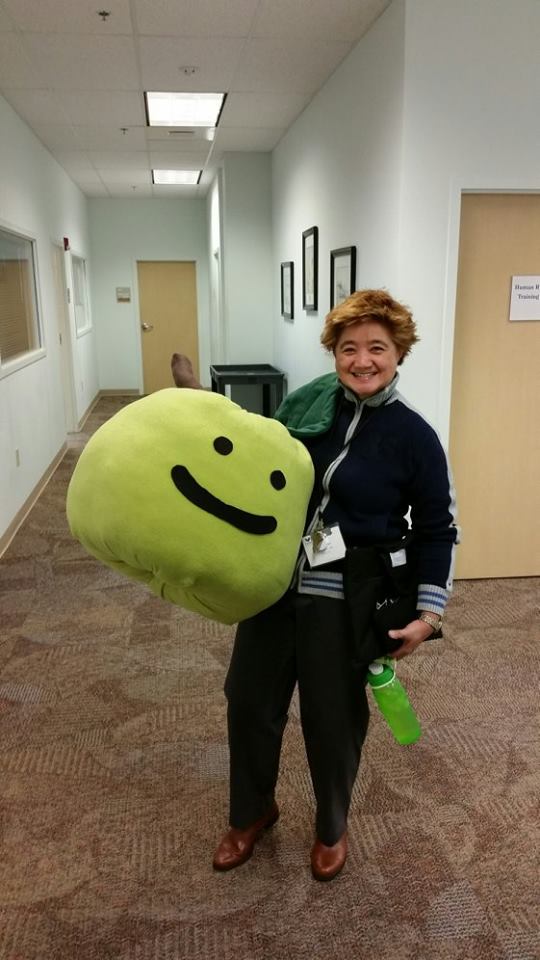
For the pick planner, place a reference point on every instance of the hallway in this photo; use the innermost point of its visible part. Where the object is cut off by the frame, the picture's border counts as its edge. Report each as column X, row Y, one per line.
column 113, row 781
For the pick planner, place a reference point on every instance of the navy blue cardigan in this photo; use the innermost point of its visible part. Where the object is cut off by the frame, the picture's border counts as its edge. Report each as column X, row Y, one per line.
column 394, row 467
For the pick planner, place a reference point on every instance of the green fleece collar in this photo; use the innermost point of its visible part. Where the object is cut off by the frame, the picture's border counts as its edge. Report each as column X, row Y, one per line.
column 310, row 410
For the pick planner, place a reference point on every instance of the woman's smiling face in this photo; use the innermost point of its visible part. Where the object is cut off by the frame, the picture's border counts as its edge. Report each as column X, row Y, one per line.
column 366, row 357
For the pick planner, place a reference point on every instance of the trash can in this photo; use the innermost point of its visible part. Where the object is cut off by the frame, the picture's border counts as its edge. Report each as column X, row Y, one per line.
column 268, row 380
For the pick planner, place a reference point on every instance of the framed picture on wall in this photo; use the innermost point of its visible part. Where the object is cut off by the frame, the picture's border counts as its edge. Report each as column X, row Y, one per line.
column 310, row 268
column 287, row 289
column 342, row 274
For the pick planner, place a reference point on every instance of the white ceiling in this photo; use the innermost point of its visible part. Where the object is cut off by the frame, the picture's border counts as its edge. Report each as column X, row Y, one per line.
column 77, row 80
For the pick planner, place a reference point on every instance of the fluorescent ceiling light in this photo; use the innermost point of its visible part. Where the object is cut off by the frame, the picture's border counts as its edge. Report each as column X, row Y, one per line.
column 183, row 109
column 176, row 176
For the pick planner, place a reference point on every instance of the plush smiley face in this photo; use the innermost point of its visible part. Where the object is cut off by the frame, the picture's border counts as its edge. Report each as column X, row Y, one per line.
column 185, row 482
column 198, row 498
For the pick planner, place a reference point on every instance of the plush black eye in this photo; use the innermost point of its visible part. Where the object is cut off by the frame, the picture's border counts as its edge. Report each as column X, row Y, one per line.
column 277, row 479
column 223, row 445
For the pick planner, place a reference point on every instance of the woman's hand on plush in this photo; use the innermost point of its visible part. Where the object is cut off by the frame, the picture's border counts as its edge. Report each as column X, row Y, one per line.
column 411, row 637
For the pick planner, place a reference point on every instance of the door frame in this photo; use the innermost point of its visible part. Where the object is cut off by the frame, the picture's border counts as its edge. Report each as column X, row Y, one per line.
column 217, row 348
column 202, row 331
column 517, row 201
column 63, row 324
column 458, row 187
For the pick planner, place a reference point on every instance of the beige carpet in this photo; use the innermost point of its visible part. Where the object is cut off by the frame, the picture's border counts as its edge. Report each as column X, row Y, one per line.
column 113, row 782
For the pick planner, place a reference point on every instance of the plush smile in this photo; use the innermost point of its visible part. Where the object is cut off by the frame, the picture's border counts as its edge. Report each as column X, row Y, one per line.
column 186, row 484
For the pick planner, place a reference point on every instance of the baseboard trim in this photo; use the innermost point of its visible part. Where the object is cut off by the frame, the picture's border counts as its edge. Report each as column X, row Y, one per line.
column 119, row 393
column 22, row 514
column 86, row 414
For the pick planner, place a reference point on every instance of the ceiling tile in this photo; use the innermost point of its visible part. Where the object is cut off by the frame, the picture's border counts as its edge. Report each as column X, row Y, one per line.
column 172, row 147
column 262, row 109
column 178, row 161
column 317, row 19
column 92, row 189
column 135, row 191
column 84, row 176
column 248, row 138
column 284, row 65
column 127, row 177
column 76, row 80
column 165, row 135
column 216, row 59
column 103, row 159
column 110, row 138
column 67, row 16
column 39, row 107
column 74, row 161
column 16, row 67
column 56, row 137
column 85, row 63
column 196, row 18
column 103, row 108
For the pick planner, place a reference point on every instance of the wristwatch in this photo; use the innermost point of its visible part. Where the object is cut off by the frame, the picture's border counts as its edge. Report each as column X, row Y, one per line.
column 433, row 619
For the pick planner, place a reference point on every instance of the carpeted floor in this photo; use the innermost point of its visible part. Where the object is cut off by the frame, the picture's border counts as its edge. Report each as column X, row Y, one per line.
column 113, row 782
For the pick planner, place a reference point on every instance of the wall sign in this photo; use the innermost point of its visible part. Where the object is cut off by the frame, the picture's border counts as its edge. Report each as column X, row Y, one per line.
column 123, row 294
column 525, row 298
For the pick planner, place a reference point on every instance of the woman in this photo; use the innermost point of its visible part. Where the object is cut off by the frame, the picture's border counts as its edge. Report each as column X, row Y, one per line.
column 375, row 459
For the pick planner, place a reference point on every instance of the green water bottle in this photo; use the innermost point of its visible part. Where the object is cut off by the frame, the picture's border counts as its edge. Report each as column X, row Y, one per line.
column 393, row 702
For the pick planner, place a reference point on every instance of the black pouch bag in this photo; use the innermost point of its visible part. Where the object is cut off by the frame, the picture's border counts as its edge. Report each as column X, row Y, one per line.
column 380, row 596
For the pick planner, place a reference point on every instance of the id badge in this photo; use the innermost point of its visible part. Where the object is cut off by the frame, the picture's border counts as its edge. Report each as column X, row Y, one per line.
column 324, row 545
column 399, row 558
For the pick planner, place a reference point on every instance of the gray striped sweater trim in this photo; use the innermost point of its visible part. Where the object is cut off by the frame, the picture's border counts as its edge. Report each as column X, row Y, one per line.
column 323, row 583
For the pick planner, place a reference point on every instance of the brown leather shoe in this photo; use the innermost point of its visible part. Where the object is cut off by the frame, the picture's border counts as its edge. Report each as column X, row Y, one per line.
column 237, row 845
column 326, row 862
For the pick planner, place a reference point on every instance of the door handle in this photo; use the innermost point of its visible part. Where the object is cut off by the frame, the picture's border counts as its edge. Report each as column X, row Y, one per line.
column 147, row 326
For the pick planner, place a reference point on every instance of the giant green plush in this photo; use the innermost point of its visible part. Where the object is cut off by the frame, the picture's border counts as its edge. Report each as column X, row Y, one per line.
column 196, row 497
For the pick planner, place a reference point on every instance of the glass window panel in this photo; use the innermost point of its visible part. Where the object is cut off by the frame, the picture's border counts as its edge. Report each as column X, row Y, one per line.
column 19, row 323
column 80, row 298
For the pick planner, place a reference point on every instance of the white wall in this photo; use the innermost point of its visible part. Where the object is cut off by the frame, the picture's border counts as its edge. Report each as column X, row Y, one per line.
column 122, row 232
column 338, row 168
column 39, row 199
column 437, row 98
column 247, row 257
column 471, row 121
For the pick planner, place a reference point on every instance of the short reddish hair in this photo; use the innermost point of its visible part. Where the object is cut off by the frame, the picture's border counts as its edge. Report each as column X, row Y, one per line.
column 377, row 306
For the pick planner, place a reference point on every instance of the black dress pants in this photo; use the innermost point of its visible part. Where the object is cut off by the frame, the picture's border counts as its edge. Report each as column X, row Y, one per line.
column 304, row 639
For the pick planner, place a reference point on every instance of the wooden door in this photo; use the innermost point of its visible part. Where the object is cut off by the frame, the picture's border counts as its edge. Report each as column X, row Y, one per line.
column 495, row 414
column 168, row 317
